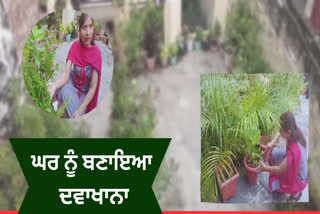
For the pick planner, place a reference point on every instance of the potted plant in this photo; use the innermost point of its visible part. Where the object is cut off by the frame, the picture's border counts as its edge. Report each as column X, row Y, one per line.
column 62, row 31
column 198, row 39
column 69, row 30
column 253, row 156
column 74, row 32
column 152, row 23
column 164, row 56
column 190, row 41
column 227, row 179
column 181, row 47
column 188, row 38
column 217, row 172
column 97, row 29
column 205, row 40
column 214, row 36
column 173, row 53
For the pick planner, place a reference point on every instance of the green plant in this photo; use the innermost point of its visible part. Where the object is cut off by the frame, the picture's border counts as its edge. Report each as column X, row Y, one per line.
column 152, row 23
column 255, row 154
column 134, row 30
column 173, row 49
column 214, row 32
column 164, row 53
column 199, row 34
column 97, row 28
column 234, row 105
column 242, row 31
column 69, row 28
column 13, row 185
column 214, row 163
column 38, row 64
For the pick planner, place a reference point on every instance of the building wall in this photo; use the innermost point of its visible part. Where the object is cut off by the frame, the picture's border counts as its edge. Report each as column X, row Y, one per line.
column 172, row 20
column 221, row 9
column 67, row 16
column 207, row 7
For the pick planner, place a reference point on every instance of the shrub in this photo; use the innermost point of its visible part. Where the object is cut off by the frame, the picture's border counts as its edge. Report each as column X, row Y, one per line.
column 38, row 64
column 242, row 31
column 152, row 23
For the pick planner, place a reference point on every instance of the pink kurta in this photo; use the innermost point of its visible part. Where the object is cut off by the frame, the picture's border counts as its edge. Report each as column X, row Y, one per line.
column 289, row 182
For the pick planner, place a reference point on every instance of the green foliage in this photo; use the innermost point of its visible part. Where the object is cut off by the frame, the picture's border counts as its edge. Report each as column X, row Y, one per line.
column 29, row 121
column 214, row 32
column 242, row 31
column 134, row 30
column 97, row 27
column 165, row 52
column 12, row 182
column 69, row 28
column 199, row 34
column 173, row 49
column 153, row 22
column 162, row 180
column 237, row 109
column 253, row 150
column 38, row 63
column 26, row 115
column 214, row 163
column 130, row 119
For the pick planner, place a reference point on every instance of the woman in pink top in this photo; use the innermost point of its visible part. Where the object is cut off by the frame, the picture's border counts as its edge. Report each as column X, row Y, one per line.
column 81, row 79
column 288, row 168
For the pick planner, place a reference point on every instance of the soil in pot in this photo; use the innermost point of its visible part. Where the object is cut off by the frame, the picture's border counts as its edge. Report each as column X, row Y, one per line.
column 251, row 171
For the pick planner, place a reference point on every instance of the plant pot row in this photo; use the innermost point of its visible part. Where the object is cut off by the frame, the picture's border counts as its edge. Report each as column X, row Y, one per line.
column 229, row 186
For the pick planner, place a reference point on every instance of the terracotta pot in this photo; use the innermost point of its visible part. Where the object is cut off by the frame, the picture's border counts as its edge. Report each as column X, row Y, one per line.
column 150, row 63
column 228, row 188
column 252, row 174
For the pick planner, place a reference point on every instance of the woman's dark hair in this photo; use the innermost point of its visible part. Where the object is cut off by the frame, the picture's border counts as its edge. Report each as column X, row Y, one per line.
column 288, row 123
column 82, row 18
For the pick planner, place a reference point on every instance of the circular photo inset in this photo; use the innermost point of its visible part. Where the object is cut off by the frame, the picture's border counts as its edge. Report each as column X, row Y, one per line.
column 67, row 63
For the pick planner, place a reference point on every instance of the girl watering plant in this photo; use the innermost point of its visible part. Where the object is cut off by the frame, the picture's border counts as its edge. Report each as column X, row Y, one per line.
column 81, row 78
column 288, row 168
